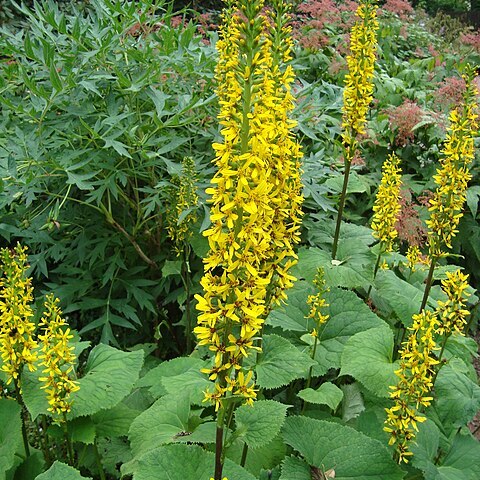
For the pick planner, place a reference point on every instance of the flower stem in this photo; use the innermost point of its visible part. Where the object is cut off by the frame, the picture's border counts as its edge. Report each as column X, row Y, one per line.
column 188, row 310
column 98, row 460
column 341, row 206
column 309, row 377
column 377, row 264
column 441, row 364
column 24, row 411
column 71, row 456
column 219, row 444
column 429, row 282
column 244, row 455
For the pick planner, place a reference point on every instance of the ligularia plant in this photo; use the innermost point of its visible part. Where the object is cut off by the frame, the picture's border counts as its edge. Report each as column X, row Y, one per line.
column 255, row 200
column 358, row 91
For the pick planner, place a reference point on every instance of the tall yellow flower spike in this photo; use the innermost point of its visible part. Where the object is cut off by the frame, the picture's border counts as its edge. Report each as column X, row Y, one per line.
column 358, row 91
column 387, row 204
column 255, row 194
column 452, row 313
column 416, row 375
column 58, row 359
column 453, row 175
column 17, row 345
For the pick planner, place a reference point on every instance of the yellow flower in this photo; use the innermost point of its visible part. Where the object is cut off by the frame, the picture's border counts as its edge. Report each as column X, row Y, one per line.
column 446, row 206
column 452, row 312
column 358, row 91
column 255, row 195
column 416, row 374
column 17, row 345
column 317, row 302
column 58, row 359
column 387, row 204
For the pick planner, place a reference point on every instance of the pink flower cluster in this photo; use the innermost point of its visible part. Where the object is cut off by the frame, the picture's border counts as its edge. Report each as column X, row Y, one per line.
column 313, row 15
column 409, row 225
column 449, row 92
column 472, row 39
column 402, row 120
column 402, row 8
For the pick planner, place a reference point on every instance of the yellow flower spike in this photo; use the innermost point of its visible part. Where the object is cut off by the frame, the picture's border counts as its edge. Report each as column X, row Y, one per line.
column 416, row 376
column 452, row 313
column 17, row 346
column 358, row 91
column 317, row 302
column 58, row 359
column 255, row 196
column 387, row 204
column 446, row 205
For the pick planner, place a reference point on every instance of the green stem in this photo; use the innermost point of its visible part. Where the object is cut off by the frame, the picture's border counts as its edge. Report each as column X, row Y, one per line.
column 24, row 427
column 219, row 445
column 229, row 416
column 404, row 331
column 348, row 164
column 186, row 283
column 442, row 363
column 429, row 282
column 377, row 264
column 45, row 444
column 244, row 455
column 309, row 377
column 98, row 460
column 314, row 351
column 71, row 456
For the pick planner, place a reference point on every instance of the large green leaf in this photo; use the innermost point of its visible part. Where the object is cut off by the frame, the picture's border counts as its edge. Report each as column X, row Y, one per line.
column 177, row 366
column 293, row 315
column 109, row 377
column 169, row 420
column 265, row 457
column 353, row 455
column 114, row 422
column 348, row 315
column 457, row 398
column 294, row 468
column 404, row 298
column 464, row 455
column 192, row 382
column 10, row 434
column 60, row 471
column 31, row 467
column 352, row 404
column 260, row 423
column 425, row 448
column 352, row 268
column 280, row 363
column 162, row 423
column 367, row 357
column 183, row 462
column 461, row 460
column 327, row 394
